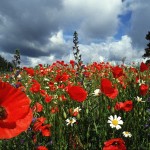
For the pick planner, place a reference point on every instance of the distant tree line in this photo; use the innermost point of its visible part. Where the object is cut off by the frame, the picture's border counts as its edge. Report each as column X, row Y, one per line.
column 8, row 66
column 147, row 50
column 4, row 64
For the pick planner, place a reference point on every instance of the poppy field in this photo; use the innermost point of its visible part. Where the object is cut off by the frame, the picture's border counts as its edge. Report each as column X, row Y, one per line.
column 70, row 106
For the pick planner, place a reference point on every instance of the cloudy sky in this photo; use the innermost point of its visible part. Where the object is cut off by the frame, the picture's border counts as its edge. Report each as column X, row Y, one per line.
column 108, row 30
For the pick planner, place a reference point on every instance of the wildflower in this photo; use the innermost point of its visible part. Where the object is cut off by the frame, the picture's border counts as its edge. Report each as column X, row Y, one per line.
column 125, row 106
column 143, row 89
column 35, row 86
column 119, row 106
column 54, row 110
column 75, row 112
column 107, row 88
column 71, row 121
column 46, row 87
column 138, row 99
column 77, row 109
column 40, row 126
column 41, row 148
column 77, row 93
column 128, row 105
column 72, row 62
column 62, row 77
column 43, row 93
column 19, row 76
column 62, row 98
column 55, row 96
column 15, row 111
column 114, row 144
column 140, row 82
column 115, row 122
column 143, row 67
column 126, row 134
column 48, row 98
column 117, row 72
column 97, row 92
column 38, row 107
column 46, row 79
column 29, row 71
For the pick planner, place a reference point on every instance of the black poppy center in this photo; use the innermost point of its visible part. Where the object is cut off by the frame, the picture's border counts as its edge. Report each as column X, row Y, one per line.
column 3, row 113
column 115, row 143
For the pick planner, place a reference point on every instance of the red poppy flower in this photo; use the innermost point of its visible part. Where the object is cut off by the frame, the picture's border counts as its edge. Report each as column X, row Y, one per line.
column 35, row 87
column 41, row 148
column 40, row 126
column 45, row 130
column 52, row 86
column 107, row 89
column 62, row 98
column 117, row 72
column 38, row 107
column 77, row 93
column 72, row 62
column 114, row 144
column 43, row 93
column 48, row 98
column 128, row 105
column 38, row 123
column 62, row 77
column 143, row 67
column 15, row 112
column 54, row 110
column 125, row 106
column 29, row 71
column 121, row 80
column 143, row 89
column 119, row 106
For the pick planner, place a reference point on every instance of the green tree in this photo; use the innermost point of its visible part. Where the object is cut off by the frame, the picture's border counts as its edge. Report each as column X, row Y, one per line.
column 147, row 50
column 16, row 61
column 4, row 64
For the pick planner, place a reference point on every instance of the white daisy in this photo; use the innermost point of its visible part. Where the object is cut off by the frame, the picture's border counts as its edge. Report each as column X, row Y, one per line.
column 77, row 109
column 19, row 76
column 138, row 99
column 115, row 122
column 126, row 134
column 46, row 87
column 46, row 79
column 71, row 121
column 97, row 92
column 141, row 82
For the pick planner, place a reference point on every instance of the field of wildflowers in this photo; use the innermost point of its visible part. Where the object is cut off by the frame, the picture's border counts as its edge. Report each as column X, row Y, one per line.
column 75, row 107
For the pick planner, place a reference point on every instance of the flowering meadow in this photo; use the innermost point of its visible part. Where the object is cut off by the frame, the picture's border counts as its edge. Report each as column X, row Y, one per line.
column 62, row 106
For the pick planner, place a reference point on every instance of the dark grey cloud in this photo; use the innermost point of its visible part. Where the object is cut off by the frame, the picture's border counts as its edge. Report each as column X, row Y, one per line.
column 23, row 23
column 29, row 24
column 140, row 22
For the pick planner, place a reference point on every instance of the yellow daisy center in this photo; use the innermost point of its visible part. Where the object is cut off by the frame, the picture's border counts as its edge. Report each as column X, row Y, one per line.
column 115, row 122
column 71, row 121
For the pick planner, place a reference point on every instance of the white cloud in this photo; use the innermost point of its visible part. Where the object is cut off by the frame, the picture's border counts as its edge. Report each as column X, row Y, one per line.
column 110, row 50
column 94, row 18
column 57, row 38
column 140, row 22
column 41, row 60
